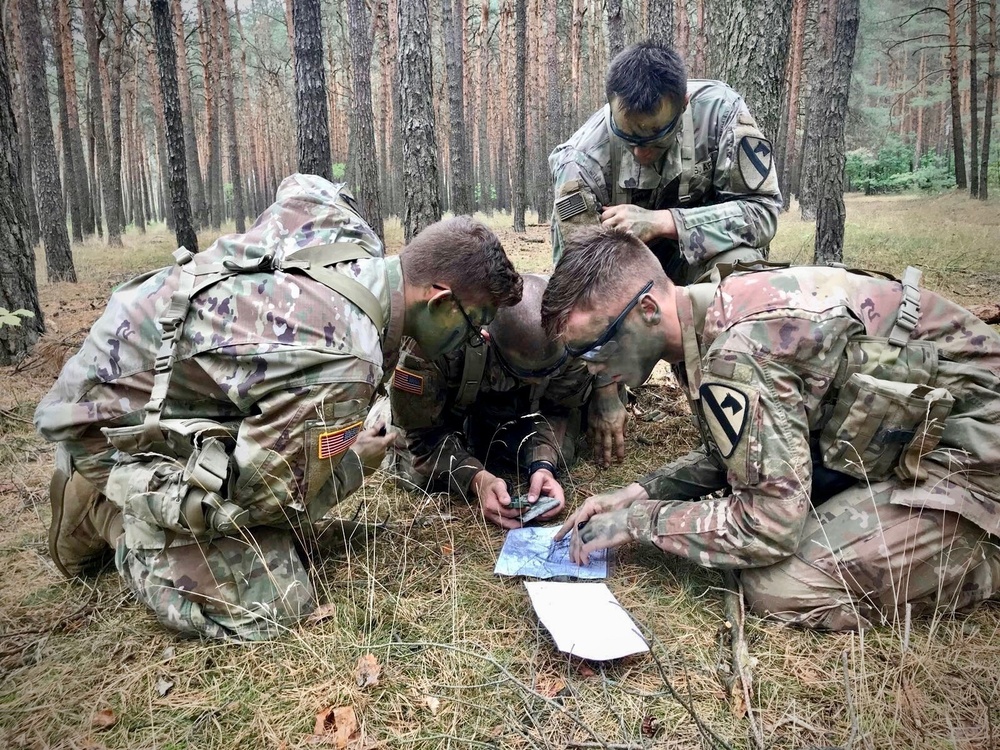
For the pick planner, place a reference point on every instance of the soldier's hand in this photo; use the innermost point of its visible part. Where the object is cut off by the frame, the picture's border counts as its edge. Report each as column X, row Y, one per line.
column 641, row 222
column 494, row 500
column 606, row 502
column 543, row 483
column 602, row 531
column 606, row 425
column 371, row 446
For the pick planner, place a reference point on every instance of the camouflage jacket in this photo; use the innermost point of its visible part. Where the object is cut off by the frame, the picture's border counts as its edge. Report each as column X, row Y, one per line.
column 425, row 405
column 790, row 369
column 718, row 178
column 287, row 365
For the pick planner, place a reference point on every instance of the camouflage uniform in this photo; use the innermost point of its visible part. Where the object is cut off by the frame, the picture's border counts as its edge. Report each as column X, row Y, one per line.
column 503, row 421
column 718, row 179
column 860, row 460
column 273, row 374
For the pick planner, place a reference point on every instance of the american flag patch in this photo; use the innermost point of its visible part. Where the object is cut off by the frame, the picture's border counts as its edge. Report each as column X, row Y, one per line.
column 408, row 382
column 334, row 443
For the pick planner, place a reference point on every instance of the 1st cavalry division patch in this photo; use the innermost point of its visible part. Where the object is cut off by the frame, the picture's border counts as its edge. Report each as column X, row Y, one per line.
column 408, row 382
column 725, row 413
column 755, row 159
column 334, row 443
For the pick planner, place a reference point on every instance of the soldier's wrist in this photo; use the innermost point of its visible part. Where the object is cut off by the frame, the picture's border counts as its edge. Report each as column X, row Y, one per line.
column 543, row 464
column 642, row 520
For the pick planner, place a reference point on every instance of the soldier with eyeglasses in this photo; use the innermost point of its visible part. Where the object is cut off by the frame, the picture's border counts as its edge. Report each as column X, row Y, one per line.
column 679, row 163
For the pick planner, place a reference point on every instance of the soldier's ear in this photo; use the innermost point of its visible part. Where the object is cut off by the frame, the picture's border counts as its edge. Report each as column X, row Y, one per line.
column 651, row 313
column 439, row 295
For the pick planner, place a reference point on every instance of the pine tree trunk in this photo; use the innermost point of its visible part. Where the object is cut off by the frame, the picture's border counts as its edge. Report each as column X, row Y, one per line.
column 65, row 36
column 918, row 142
column 363, row 118
column 232, row 145
column 421, row 205
column 162, row 159
column 310, row 90
column 991, row 87
column 58, row 258
column 554, row 120
column 166, row 55
column 210, row 67
column 616, row 27
column 958, row 141
column 973, row 99
column 795, row 79
column 107, row 179
column 819, row 77
column 830, row 202
column 69, row 163
column 24, row 130
column 191, row 156
column 575, row 54
column 486, row 199
column 755, row 66
column 18, row 286
column 461, row 188
column 660, row 21
column 115, row 75
column 520, row 53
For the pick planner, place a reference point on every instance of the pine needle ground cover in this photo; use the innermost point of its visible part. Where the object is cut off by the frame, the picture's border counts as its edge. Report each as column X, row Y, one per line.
column 419, row 645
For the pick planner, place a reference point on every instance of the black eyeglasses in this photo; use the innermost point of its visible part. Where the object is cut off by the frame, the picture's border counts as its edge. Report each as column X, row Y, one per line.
column 521, row 372
column 635, row 140
column 475, row 332
column 611, row 330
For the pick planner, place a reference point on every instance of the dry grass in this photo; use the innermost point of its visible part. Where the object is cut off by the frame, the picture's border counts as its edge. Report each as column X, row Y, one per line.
column 464, row 661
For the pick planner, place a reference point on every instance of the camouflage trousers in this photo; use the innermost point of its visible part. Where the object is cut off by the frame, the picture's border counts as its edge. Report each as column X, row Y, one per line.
column 867, row 553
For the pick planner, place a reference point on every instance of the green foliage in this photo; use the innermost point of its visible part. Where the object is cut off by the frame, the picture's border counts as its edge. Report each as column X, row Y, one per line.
column 890, row 170
column 338, row 171
column 8, row 318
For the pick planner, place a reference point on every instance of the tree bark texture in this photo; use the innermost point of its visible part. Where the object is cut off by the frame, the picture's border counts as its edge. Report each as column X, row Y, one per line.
column 366, row 174
column 196, row 186
column 24, row 131
column 958, row 142
column 616, row 27
column 210, row 66
column 795, row 78
column 229, row 97
column 310, row 90
column 461, row 182
column 553, row 120
column 819, row 72
column 70, row 165
column 115, row 75
column 486, row 199
column 18, row 286
column 973, row 99
column 991, row 88
column 749, row 53
column 167, row 58
column 660, row 21
column 48, row 187
column 520, row 53
column 107, row 178
column 421, row 205
column 158, row 125
column 830, row 200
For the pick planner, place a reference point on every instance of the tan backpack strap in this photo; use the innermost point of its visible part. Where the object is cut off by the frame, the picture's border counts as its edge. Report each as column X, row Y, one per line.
column 687, row 156
column 472, row 376
column 909, row 308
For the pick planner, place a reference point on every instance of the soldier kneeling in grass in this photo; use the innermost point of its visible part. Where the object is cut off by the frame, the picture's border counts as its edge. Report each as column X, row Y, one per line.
column 851, row 429
column 214, row 415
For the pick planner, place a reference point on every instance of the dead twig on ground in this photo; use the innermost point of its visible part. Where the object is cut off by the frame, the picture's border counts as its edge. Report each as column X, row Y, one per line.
column 740, row 678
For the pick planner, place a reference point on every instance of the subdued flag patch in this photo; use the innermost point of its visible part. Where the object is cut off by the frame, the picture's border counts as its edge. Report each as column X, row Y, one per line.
column 334, row 443
column 408, row 382
column 725, row 413
column 755, row 160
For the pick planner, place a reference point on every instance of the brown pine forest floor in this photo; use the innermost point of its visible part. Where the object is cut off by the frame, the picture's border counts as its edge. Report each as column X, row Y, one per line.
column 464, row 662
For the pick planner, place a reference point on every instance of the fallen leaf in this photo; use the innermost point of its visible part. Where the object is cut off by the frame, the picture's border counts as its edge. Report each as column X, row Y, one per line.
column 367, row 671
column 739, row 705
column 433, row 704
column 338, row 724
column 550, row 686
column 323, row 612
column 168, row 653
column 163, row 686
column 651, row 726
column 584, row 669
column 104, row 719
column 447, row 549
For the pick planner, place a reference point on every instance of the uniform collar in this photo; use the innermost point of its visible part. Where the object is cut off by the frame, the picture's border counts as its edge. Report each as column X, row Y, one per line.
column 692, row 305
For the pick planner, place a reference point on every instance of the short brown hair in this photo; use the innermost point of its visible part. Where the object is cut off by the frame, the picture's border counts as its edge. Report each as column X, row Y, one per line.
column 598, row 263
column 466, row 256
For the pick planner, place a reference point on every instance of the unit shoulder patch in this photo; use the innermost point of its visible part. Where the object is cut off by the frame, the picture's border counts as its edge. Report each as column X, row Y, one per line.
column 334, row 443
column 755, row 159
column 725, row 414
column 408, row 382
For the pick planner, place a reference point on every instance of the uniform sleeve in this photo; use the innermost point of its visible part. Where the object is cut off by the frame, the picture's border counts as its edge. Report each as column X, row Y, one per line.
column 755, row 415
column 421, row 399
column 565, row 393
column 689, row 477
column 293, row 455
column 575, row 171
column 745, row 184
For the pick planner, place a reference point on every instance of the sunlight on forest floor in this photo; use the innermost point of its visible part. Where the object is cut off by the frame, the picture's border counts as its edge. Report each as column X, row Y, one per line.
column 464, row 661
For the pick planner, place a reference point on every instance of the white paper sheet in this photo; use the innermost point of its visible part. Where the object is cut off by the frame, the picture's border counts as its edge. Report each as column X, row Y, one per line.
column 529, row 551
column 585, row 619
